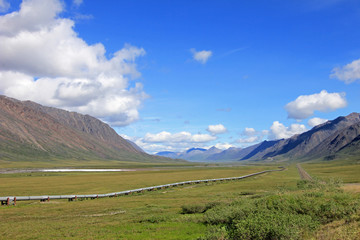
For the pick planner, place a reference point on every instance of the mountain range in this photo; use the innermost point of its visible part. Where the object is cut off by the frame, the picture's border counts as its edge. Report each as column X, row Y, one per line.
column 29, row 131
column 329, row 140
column 192, row 154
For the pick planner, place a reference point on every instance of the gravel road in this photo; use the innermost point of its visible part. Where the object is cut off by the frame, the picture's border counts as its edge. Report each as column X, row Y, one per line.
column 303, row 174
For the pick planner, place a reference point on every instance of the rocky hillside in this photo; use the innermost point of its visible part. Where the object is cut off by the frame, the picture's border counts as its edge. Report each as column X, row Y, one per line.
column 231, row 154
column 334, row 138
column 342, row 141
column 317, row 140
column 30, row 131
column 192, row 154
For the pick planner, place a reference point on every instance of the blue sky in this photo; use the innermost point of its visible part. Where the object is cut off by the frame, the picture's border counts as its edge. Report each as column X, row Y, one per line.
column 171, row 75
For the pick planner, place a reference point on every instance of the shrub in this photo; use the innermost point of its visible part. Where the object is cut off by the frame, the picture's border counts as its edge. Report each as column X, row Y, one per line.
column 329, row 185
column 272, row 225
column 197, row 208
column 225, row 214
column 283, row 216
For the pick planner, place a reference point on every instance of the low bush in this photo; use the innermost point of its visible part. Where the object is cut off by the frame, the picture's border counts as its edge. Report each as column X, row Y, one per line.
column 272, row 225
column 197, row 208
column 328, row 185
column 290, row 215
column 225, row 214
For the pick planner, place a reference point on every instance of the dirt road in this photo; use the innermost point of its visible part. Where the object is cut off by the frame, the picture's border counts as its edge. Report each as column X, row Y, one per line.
column 303, row 174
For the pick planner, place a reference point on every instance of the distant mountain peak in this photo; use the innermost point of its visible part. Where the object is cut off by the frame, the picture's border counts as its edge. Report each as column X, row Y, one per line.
column 195, row 149
column 353, row 115
column 299, row 146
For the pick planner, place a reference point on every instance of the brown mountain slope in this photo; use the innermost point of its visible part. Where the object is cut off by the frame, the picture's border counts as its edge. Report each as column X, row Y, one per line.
column 341, row 140
column 261, row 148
column 85, row 124
column 351, row 149
column 30, row 131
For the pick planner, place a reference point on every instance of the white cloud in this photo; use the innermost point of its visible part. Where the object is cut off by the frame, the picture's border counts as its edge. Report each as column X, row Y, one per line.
column 265, row 132
column 305, row 105
column 4, row 5
column 250, row 135
column 166, row 137
column 166, row 141
column 249, row 132
column 155, row 148
column 201, row 56
column 278, row 130
column 251, row 139
column 202, row 138
column 223, row 146
column 44, row 60
column 348, row 73
column 316, row 121
column 34, row 15
column 216, row 129
column 133, row 139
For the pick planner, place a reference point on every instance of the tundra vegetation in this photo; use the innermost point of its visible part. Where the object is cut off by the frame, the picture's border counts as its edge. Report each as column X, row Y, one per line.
column 276, row 205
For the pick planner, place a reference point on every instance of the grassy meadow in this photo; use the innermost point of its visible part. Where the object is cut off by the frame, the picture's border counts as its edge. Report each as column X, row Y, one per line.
column 45, row 183
column 347, row 171
column 173, row 213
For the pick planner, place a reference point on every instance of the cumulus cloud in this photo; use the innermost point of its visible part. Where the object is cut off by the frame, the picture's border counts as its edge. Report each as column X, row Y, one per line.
column 250, row 135
column 223, row 146
column 348, row 73
column 44, row 60
column 216, row 129
column 278, row 130
column 178, row 137
column 4, row 6
column 251, row 139
column 249, row 132
column 316, row 121
column 180, row 141
column 166, row 141
column 305, row 105
column 265, row 132
column 201, row 56
column 155, row 148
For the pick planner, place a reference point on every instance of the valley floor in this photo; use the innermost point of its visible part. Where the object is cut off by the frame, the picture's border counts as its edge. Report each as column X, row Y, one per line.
column 152, row 215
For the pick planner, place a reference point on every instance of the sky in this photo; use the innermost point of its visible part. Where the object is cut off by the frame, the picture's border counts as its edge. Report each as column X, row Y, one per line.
column 172, row 75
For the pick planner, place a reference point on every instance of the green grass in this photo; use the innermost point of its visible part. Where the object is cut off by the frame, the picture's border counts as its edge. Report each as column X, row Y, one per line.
column 293, row 214
column 89, row 183
column 151, row 215
column 347, row 171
